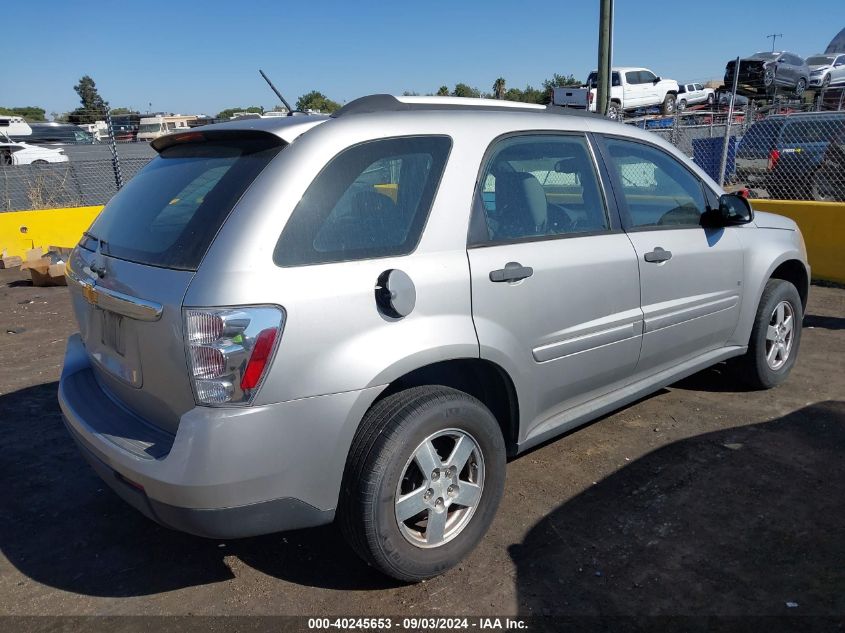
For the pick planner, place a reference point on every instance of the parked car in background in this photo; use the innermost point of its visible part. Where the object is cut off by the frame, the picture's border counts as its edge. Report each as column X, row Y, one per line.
column 152, row 127
column 764, row 73
column 781, row 153
column 125, row 126
column 827, row 182
column 740, row 102
column 695, row 94
column 18, row 153
column 55, row 133
column 99, row 130
column 630, row 89
column 826, row 70
column 289, row 321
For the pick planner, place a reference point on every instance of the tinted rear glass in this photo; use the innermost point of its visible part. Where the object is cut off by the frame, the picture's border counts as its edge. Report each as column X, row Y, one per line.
column 762, row 134
column 371, row 200
column 170, row 211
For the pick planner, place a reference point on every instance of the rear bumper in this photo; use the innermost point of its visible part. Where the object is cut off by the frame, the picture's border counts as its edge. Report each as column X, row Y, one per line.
column 227, row 472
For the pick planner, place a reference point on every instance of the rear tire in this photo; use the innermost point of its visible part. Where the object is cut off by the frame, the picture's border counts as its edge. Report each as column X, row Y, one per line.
column 827, row 183
column 775, row 337
column 429, row 449
column 682, row 105
column 800, row 87
column 614, row 111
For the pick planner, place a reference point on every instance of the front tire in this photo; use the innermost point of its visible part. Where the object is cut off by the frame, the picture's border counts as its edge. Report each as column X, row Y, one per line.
column 800, row 87
column 423, row 481
column 669, row 104
column 775, row 337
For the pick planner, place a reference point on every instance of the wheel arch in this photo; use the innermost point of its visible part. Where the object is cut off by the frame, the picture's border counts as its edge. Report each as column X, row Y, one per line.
column 480, row 378
column 794, row 271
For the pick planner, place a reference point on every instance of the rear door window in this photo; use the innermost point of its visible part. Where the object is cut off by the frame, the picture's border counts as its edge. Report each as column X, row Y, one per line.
column 372, row 200
column 168, row 214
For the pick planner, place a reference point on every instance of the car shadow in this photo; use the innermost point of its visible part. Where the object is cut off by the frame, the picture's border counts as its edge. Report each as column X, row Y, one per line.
column 715, row 379
column 65, row 528
column 730, row 523
column 826, row 322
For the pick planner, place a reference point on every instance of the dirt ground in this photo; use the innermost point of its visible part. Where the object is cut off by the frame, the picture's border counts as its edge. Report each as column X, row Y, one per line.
column 701, row 499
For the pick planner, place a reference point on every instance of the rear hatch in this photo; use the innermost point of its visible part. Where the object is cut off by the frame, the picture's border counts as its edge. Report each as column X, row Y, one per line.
column 751, row 74
column 131, row 270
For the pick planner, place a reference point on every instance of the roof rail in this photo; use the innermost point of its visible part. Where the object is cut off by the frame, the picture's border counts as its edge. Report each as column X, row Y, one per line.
column 389, row 103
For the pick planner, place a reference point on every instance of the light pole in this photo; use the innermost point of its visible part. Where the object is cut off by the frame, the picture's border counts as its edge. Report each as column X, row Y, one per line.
column 605, row 47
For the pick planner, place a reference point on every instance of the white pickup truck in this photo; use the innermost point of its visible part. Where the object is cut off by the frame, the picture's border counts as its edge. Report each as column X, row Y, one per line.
column 630, row 89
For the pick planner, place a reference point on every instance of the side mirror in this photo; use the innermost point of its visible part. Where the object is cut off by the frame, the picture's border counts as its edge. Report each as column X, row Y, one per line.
column 655, row 80
column 734, row 209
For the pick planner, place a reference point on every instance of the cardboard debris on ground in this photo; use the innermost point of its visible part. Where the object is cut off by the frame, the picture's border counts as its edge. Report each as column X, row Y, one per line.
column 33, row 254
column 48, row 270
column 10, row 262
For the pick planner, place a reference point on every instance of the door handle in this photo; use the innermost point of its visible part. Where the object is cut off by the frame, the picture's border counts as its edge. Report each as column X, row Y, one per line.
column 513, row 271
column 658, row 255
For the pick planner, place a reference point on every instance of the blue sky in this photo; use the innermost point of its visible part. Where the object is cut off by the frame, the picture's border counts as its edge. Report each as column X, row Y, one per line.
column 201, row 57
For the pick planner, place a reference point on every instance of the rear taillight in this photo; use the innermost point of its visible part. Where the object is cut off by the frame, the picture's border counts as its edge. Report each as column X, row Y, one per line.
column 229, row 351
column 774, row 157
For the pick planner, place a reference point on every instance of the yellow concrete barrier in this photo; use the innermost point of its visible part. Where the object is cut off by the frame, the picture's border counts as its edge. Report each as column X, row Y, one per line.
column 823, row 227
column 822, row 224
column 22, row 230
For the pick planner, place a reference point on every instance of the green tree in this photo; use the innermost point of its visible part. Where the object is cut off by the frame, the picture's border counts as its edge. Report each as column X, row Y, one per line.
column 116, row 111
column 443, row 91
column 559, row 81
column 94, row 108
column 534, row 95
column 514, row 94
column 463, row 90
column 499, row 88
column 228, row 112
column 30, row 113
column 316, row 100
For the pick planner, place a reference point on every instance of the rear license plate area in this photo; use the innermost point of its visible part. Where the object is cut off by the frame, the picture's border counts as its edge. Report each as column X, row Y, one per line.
column 111, row 332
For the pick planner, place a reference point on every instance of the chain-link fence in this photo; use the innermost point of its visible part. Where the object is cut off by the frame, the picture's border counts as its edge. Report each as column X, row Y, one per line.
column 46, row 165
column 781, row 149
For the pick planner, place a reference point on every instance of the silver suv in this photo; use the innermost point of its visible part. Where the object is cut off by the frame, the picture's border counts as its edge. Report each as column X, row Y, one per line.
column 287, row 321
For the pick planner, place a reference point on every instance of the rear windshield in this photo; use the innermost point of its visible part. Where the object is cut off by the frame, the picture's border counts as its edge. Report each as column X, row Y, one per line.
column 168, row 214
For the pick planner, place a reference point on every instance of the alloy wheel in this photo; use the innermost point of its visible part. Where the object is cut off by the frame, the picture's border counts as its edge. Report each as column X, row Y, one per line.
column 440, row 488
column 779, row 335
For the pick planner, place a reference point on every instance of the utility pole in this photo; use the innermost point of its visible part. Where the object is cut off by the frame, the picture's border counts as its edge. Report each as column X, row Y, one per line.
column 605, row 39
column 774, row 37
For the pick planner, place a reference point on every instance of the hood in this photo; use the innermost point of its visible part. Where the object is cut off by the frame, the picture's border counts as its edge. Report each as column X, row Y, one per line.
column 773, row 221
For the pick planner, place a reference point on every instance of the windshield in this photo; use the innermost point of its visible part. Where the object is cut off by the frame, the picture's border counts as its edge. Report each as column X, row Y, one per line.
column 169, row 213
column 819, row 60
